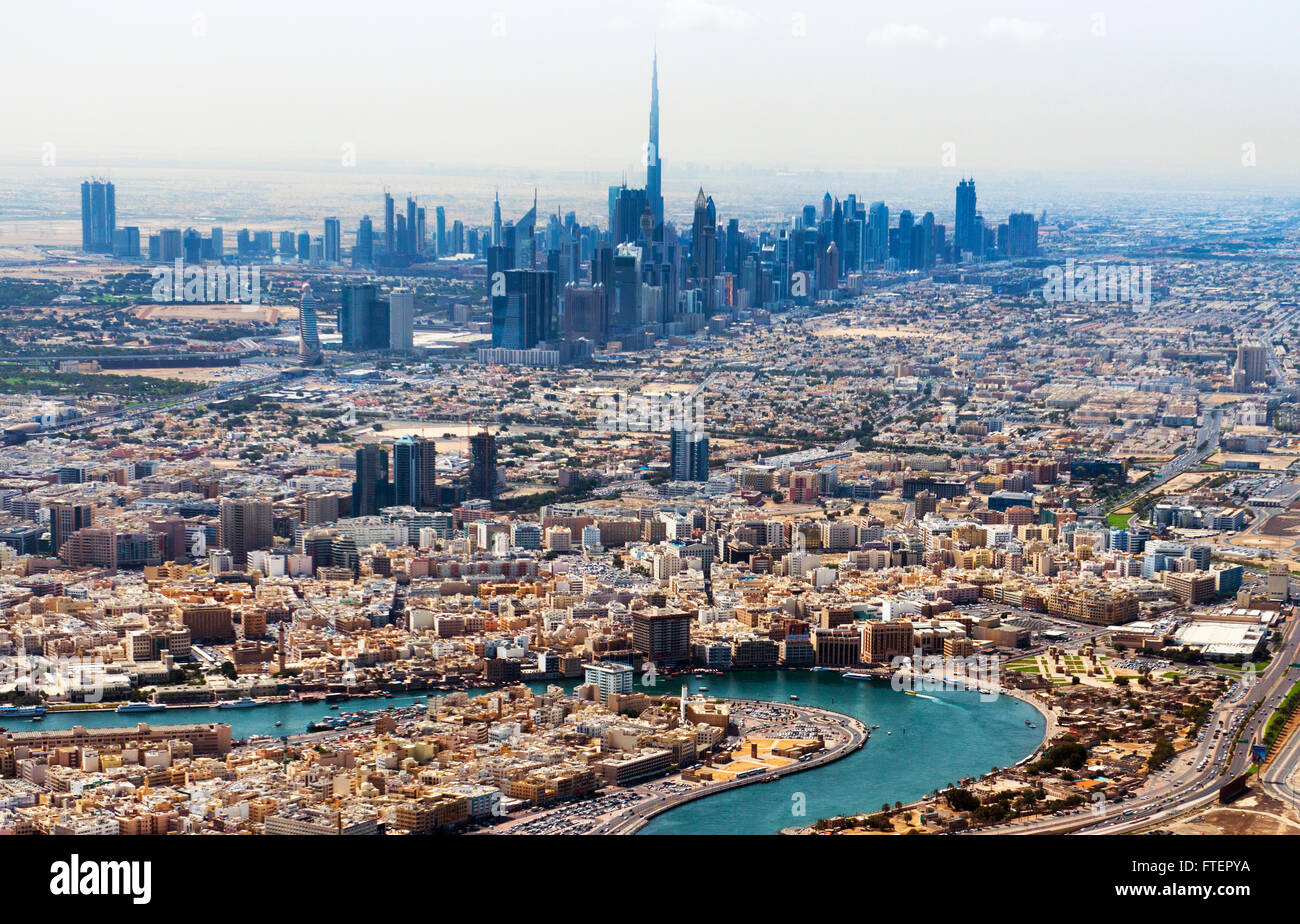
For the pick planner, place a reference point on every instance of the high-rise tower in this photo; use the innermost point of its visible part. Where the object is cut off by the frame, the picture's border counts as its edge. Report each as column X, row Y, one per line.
column 308, row 333
column 965, row 237
column 654, row 166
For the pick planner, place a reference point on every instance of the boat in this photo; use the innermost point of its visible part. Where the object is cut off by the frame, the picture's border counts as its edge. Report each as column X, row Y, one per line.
column 139, row 707
column 875, row 726
column 855, row 675
column 794, row 698
column 704, row 689
column 21, row 712
column 244, row 702
column 38, row 718
column 888, row 733
column 278, row 724
column 334, row 706
column 910, row 692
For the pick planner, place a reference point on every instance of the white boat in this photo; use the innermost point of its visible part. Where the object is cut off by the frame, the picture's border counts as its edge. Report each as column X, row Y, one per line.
column 244, row 702
column 139, row 707
column 22, row 712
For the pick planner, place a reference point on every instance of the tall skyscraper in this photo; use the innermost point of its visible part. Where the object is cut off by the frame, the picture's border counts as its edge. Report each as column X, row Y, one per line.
column 966, row 236
column 878, row 233
column 688, row 455
column 363, row 319
column 415, row 478
column 704, row 245
column 1252, row 365
column 390, row 231
column 245, row 526
column 308, row 334
column 401, row 319
column 440, row 219
column 333, row 241
column 363, row 253
column 411, row 245
column 98, row 216
column 654, row 164
column 1019, row 236
column 523, row 315
column 483, row 465
column 371, row 489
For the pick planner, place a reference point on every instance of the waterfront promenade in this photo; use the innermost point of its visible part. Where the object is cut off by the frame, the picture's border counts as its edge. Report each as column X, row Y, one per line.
column 843, row 735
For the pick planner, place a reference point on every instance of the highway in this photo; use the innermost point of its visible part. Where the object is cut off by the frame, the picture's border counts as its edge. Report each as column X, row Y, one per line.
column 1207, row 436
column 1194, row 777
column 1278, row 777
column 140, row 411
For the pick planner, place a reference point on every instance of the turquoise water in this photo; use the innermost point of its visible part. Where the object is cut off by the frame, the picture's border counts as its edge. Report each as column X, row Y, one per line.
column 937, row 738
column 260, row 720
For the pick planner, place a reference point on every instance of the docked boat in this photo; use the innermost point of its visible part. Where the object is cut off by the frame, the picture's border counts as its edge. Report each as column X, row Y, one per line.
column 244, row 702
column 139, row 707
column 22, row 712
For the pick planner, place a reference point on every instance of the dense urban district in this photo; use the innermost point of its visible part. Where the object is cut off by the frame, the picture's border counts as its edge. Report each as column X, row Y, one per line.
column 475, row 513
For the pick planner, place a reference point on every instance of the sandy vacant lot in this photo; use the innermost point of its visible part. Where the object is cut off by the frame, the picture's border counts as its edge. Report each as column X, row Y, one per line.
column 874, row 332
column 205, row 375
column 1268, row 461
column 271, row 314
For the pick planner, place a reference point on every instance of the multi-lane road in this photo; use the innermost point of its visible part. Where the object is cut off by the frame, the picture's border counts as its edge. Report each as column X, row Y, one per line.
column 1193, row 778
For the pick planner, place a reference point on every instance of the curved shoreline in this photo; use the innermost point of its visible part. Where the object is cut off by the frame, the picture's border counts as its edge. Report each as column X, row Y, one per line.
column 1049, row 731
column 857, row 736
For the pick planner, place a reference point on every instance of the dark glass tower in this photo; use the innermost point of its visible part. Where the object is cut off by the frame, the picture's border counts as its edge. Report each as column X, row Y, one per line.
column 371, row 491
column 483, row 465
column 965, row 236
column 415, row 480
column 688, row 455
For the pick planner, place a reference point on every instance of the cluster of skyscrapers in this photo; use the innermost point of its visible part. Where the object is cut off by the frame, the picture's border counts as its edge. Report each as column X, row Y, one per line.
column 407, row 475
column 559, row 290
column 368, row 322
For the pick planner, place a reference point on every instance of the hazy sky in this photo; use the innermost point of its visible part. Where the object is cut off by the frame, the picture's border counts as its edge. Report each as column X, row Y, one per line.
column 1133, row 86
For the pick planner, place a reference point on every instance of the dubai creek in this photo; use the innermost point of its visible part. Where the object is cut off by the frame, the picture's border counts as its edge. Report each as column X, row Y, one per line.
column 924, row 742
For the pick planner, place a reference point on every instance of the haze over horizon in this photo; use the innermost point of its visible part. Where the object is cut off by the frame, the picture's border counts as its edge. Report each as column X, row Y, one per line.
column 1170, row 88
